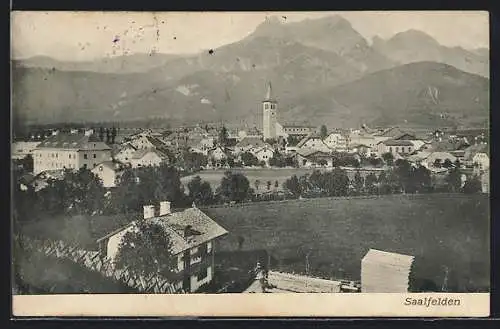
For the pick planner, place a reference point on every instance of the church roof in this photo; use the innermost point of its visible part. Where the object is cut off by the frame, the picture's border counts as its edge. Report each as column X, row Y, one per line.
column 269, row 93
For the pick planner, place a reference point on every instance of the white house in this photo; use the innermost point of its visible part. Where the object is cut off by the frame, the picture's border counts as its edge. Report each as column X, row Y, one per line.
column 148, row 158
column 217, row 154
column 481, row 161
column 264, row 153
column 314, row 143
column 193, row 236
column 109, row 173
column 69, row 151
column 336, row 141
column 126, row 153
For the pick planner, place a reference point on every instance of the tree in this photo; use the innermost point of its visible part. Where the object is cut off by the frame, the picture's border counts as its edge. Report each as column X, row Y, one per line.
column 223, row 136
column 292, row 140
column 27, row 163
column 193, row 161
column 101, row 134
column 200, row 191
column 80, row 192
column 472, row 185
column 370, row 183
column 113, row 135
column 358, row 182
column 323, row 132
column 234, row 187
column 374, row 161
column 108, row 136
column 421, row 179
column 257, row 184
column 249, row 159
column 147, row 250
column 454, row 180
column 388, row 158
column 292, row 185
column 276, row 184
column 269, row 183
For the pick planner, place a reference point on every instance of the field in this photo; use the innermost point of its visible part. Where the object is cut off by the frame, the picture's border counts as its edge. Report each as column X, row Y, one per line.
column 263, row 175
column 440, row 230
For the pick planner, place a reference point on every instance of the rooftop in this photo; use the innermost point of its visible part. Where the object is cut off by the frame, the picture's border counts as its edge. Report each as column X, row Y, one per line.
column 250, row 141
column 393, row 142
column 388, row 258
column 73, row 141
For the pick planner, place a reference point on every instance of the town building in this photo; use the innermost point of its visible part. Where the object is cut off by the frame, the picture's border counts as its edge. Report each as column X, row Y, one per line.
column 193, row 235
column 314, row 142
column 19, row 150
column 272, row 128
column 337, row 142
column 269, row 109
column 481, row 161
column 247, row 144
column 125, row 153
column 109, row 172
column 298, row 131
column 264, row 153
column 69, row 151
column 148, row 158
column 387, row 272
column 217, row 156
column 394, row 146
column 307, row 158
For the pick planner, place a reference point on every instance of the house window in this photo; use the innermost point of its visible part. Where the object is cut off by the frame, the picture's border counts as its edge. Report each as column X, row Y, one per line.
column 202, row 274
column 390, row 148
column 69, row 156
column 85, row 156
column 94, row 156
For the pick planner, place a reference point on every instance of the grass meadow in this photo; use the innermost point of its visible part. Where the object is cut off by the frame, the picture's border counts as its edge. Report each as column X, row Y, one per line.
column 441, row 230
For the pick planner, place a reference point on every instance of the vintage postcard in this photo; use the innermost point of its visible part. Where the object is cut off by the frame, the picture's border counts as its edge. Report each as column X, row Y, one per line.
column 251, row 164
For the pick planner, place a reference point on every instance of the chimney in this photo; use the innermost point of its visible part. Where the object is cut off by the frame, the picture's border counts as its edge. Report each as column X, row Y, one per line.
column 164, row 208
column 149, row 211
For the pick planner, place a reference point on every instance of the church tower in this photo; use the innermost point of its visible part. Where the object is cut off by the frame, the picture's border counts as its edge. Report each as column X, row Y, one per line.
column 269, row 107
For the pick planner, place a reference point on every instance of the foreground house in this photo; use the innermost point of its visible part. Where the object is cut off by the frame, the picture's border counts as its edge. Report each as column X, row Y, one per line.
column 314, row 143
column 125, row 153
column 336, row 141
column 193, row 235
column 70, row 151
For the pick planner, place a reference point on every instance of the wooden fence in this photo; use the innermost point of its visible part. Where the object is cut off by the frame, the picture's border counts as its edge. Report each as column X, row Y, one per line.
column 94, row 261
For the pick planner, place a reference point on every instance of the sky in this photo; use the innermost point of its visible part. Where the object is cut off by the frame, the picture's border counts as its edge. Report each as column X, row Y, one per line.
column 81, row 36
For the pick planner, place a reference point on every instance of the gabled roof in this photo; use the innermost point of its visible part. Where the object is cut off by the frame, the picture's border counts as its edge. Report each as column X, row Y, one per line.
column 113, row 165
column 74, row 142
column 473, row 149
column 250, row 141
column 304, row 140
column 263, row 148
column 306, row 152
column 392, row 142
column 390, row 132
column 139, row 154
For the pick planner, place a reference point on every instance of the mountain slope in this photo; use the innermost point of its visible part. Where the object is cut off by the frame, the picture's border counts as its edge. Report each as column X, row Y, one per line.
column 120, row 64
column 331, row 33
column 416, row 46
column 424, row 93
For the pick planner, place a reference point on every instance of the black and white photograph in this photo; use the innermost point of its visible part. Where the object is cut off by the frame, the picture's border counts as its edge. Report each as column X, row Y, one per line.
column 166, row 153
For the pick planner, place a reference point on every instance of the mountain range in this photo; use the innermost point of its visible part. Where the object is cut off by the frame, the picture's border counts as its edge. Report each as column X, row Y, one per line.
column 322, row 71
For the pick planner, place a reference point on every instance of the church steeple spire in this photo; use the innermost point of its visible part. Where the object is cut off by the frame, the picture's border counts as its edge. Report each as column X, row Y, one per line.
column 269, row 92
